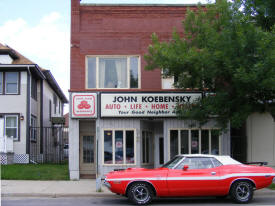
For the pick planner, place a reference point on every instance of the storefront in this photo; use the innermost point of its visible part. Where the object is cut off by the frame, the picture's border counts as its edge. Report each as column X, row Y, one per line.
column 121, row 130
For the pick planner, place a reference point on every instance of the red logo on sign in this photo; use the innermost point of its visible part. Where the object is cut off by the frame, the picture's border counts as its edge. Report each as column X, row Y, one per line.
column 84, row 105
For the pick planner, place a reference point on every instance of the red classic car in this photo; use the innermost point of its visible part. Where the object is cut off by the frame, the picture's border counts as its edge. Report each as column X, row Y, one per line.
column 191, row 175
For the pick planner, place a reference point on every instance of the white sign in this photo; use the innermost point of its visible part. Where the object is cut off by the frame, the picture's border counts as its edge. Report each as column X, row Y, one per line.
column 84, row 105
column 144, row 104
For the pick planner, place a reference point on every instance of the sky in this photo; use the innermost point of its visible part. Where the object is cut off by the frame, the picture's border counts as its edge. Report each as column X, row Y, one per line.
column 40, row 30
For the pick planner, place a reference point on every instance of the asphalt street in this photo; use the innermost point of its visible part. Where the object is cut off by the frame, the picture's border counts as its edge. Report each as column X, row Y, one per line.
column 117, row 200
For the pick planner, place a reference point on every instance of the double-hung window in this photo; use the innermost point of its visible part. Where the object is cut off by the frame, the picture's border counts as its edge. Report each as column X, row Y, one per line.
column 120, row 72
column 194, row 141
column 119, row 146
column 1, row 82
column 34, row 88
column 11, row 82
column 33, row 128
column 11, row 126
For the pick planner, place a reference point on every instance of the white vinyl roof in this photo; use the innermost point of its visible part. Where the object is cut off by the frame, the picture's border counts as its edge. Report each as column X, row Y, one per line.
column 224, row 159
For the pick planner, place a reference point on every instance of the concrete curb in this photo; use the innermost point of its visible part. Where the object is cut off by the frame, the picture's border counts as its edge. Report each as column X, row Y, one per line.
column 54, row 195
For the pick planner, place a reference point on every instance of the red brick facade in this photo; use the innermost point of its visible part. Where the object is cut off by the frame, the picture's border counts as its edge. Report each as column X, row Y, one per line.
column 119, row 30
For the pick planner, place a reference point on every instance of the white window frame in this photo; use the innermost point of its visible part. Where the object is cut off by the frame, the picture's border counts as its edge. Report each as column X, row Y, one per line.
column 17, row 91
column 17, row 125
column 112, row 56
column 189, row 139
column 146, row 137
column 124, row 146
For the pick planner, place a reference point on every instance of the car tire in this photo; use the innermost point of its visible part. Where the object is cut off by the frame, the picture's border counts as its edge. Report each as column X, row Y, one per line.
column 241, row 192
column 140, row 193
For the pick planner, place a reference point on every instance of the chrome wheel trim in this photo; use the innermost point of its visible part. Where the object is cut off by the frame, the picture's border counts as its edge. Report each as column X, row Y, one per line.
column 141, row 193
column 243, row 191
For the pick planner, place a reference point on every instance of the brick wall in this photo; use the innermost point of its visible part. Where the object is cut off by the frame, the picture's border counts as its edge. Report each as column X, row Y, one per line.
column 119, row 30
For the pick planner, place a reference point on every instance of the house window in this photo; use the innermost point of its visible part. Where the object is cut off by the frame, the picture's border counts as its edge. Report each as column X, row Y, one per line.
column 167, row 81
column 59, row 107
column 11, row 126
column 112, row 72
column 11, row 82
column 119, row 147
column 34, row 88
column 194, row 141
column 50, row 109
column 33, row 128
column 146, row 137
column 1, row 82
column 54, row 103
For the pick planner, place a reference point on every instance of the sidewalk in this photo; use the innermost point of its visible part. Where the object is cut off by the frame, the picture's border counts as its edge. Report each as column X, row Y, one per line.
column 82, row 188
column 29, row 188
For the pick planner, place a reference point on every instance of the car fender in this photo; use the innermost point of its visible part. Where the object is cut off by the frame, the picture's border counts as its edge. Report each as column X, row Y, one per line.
column 242, row 178
column 140, row 180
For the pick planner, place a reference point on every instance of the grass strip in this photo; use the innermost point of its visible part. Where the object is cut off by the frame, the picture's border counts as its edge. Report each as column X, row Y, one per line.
column 35, row 172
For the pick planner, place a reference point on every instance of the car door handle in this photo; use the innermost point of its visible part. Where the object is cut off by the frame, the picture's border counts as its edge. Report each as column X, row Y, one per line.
column 213, row 173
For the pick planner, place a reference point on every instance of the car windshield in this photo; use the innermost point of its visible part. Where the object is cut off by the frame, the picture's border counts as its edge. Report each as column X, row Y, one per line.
column 170, row 164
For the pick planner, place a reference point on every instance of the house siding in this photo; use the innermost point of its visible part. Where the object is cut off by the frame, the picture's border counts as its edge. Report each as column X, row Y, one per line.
column 16, row 104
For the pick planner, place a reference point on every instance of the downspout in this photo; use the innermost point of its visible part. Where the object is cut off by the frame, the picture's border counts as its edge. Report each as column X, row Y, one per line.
column 41, row 116
column 28, row 111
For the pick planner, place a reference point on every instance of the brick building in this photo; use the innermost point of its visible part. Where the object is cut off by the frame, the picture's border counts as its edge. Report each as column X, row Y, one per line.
column 120, row 114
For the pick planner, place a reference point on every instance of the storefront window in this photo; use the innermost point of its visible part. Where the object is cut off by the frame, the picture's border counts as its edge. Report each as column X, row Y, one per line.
column 119, row 147
column 173, row 143
column 130, row 147
column 200, row 141
column 205, row 141
column 122, row 152
column 215, row 142
column 194, row 141
column 108, row 147
column 184, row 142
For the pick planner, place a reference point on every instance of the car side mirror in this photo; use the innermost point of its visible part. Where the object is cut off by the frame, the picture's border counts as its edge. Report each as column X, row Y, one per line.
column 185, row 167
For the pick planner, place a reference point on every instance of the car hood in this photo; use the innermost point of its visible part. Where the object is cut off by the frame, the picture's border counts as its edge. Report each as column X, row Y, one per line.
column 135, row 173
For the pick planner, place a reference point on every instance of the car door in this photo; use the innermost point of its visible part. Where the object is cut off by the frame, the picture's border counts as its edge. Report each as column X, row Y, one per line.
column 201, row 178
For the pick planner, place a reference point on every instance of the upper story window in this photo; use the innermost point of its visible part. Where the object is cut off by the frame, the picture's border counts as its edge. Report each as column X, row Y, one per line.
column 168, row 82
column 34, row 88
column 11, row 82
column 54, row 103
column 50, row 109
column 120, row 72
column 1, row 82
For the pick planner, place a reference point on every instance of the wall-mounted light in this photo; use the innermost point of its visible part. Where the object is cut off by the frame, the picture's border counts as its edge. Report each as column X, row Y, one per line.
column 21, row 117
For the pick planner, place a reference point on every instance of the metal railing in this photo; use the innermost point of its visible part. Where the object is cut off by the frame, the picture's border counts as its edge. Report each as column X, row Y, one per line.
column 48, row 144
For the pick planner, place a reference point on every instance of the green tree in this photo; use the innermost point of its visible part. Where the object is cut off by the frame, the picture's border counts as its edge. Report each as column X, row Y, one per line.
column 223, row 53
column 262, row 11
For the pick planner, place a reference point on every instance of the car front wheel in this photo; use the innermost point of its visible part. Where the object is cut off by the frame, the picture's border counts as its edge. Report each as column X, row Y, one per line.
column 241, row 192
column 140, row 193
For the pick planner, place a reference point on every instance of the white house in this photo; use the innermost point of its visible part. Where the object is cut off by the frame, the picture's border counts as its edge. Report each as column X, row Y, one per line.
column 29, row 97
